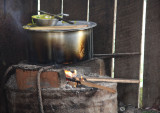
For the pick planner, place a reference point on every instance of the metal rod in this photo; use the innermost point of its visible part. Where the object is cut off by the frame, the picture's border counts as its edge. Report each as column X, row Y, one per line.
column 88, row 6
column 39, row 6
column 62, row 8
column 117, row 54
column 92, row 47
column 114, row 37
column 114, row 26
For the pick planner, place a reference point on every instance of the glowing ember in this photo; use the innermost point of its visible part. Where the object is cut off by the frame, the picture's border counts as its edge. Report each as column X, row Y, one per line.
column 67, row 63
column 70, row 74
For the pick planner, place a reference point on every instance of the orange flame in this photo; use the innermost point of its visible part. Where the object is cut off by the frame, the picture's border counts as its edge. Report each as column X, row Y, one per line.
column 69, row 74
column 82, row 79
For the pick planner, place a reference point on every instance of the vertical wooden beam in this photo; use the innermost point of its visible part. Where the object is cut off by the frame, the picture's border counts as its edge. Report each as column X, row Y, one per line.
column 151, row 87
column 128, row 39
column 102, row 12
column 51, row 6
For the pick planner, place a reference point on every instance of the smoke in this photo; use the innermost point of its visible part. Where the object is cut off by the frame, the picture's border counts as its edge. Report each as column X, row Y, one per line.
column 14, row 13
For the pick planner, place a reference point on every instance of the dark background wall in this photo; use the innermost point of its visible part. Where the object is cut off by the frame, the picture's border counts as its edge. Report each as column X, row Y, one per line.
column 13, row 39
column 14, row 14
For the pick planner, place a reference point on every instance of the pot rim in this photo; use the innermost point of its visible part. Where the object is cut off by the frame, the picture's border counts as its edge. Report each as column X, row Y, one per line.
column 77, row 22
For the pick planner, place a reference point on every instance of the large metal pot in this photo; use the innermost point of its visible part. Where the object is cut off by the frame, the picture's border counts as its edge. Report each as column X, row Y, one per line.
column 61, row 46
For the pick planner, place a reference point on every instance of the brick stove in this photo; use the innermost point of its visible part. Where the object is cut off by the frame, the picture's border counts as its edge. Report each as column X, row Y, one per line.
column 56, row 94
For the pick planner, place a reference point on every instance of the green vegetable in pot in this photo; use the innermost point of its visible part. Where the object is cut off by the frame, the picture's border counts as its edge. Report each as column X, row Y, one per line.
column 42, row 17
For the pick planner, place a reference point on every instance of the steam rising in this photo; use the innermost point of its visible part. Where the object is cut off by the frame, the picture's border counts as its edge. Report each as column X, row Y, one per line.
column 15, row 13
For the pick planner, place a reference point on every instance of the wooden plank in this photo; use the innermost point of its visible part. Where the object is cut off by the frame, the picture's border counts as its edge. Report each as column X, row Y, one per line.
column 128, row 39
column 57, row 27
column 89, row 84
column 102, row 12
column 13, row 39
column 151, row 92
column 116, row 80
column 77, row 9
column 104, row 79
column 51, row 6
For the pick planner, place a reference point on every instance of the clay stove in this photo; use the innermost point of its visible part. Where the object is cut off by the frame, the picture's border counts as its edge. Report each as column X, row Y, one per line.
column 37, row 88
column 57, row 94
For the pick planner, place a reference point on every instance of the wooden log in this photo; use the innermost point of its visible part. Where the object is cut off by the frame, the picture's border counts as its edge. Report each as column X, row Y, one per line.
column 89, row 84
column 113, row 80
column 117, row 80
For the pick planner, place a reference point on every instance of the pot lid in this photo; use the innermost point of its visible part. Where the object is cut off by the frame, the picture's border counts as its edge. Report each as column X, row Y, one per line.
column 61, row 26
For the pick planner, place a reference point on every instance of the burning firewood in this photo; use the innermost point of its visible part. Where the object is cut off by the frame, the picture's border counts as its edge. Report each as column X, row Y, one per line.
column 72, row 77
column 74, row 81
column 89, row 84
column 113, row 80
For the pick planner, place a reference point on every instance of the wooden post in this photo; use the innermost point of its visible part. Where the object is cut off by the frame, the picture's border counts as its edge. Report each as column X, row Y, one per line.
column 128, row 40
column 151, row 86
